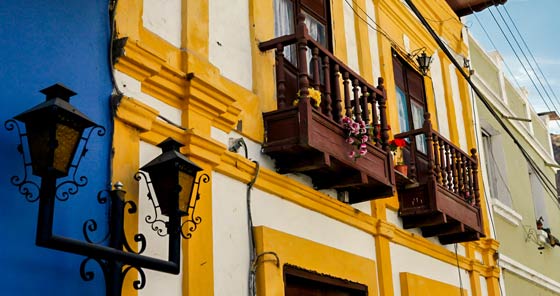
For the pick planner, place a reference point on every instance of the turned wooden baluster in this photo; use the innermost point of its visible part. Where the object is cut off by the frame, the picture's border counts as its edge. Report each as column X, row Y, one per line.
column 365, row 100
column 337, row 95
column 356, row 90
column 326, row 102
column 346, row 82
column 382, row 103
column 430, row 147
column 455, row 170
column 412, row 164
column 460, row 185
column 465, row 175
column 471, row 179
column 437, row 158
column 303, row 77
column 375, row 120
column 442, row 162
column 449, row 166
column 315, row 68
column 475, row 178
column 280, row 78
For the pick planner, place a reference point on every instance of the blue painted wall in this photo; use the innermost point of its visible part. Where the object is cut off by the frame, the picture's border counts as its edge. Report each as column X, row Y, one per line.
column 41, row 43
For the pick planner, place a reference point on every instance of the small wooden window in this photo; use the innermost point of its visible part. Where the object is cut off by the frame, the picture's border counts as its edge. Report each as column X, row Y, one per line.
column 300, row 282
column 411, row 99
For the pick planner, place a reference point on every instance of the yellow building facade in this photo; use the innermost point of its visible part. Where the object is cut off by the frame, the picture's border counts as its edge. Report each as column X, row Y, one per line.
column 194, row 71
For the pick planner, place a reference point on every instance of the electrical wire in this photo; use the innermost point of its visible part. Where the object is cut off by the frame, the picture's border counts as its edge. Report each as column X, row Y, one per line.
column 459, row 271
column 530, row 52
column 523, row 65
column 252, row 248
column 496, row 48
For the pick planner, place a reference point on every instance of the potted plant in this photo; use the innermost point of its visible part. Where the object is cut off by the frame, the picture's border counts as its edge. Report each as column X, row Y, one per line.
column 314, row 95
column 396, row 146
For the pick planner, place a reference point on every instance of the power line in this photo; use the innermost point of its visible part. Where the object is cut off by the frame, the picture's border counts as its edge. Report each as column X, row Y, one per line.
column 526, row 58
column 523, row 64
column 530, row 53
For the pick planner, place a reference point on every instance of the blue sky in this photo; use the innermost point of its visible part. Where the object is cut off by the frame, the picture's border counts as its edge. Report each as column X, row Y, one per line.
column 539, row 24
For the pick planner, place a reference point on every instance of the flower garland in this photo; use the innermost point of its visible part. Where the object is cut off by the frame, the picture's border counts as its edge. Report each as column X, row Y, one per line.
column 357, row 136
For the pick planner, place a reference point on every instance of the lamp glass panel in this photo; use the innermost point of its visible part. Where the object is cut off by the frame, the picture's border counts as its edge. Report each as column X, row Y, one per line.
column 67, row 139
column 186, row 181
column 39, row 148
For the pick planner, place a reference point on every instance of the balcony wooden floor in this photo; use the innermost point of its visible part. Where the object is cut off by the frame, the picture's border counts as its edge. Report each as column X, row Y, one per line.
column 302, row 140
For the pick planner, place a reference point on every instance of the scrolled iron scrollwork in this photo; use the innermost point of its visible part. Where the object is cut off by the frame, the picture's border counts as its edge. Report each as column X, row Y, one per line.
column 71, row 186
column 191, row 224
column 26, row 187
column 141, row 281
column 88, row 275
column 157, row 224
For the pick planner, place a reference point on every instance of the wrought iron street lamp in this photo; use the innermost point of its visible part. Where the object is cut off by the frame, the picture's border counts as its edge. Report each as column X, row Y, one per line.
column 424, row 62
column 422, row 59
column 57, row 135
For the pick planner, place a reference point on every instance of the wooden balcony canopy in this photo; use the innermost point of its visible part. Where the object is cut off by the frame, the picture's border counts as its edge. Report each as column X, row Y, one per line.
column 466, row 7
column 307, row 138
column 445, row 201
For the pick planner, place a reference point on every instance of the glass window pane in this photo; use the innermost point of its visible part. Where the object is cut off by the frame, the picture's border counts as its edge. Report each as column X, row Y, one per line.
column 417, row 122
column 403, row 111
column 284, row 22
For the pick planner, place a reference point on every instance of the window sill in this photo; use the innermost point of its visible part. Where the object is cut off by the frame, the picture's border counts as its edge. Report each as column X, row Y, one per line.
column 509, row 214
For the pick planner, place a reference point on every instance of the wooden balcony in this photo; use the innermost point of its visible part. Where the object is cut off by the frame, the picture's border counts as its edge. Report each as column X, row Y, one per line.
column 445, row 201
column 466, row 7
column 306, row 138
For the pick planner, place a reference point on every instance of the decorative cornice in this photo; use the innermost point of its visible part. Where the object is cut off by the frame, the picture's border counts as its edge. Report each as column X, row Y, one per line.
column 203, row 90
column 136, row 113
column 509, row 214
column 529, row 274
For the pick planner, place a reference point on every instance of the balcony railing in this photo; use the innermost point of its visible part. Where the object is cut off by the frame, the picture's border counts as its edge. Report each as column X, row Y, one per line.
column 445, row 201
column 304, row 137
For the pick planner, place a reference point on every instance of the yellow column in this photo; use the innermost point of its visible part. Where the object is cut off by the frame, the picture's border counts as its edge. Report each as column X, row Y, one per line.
column 338, row 30
column 383, row 250
column 362, row 38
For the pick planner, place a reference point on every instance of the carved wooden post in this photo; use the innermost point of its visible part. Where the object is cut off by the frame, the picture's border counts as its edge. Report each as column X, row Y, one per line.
column 327, row 104
column 429, row 139
column 365, row 99
column 356, row 90
column 437, row 158
column 442, row 162
column 315, row 68
column 303, row 77
column 337, row 95
column 449, row 161
column 475, row 178
column 382, row 102
column 280, row 79
column 346, row 82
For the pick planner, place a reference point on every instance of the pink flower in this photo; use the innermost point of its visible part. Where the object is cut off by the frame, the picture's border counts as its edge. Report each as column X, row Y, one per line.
column 346, row 120
column 352, row 154
column 365, row 138
column 363, row 146
column 363, row 151
column 362, row 124
column 350, row 140
column 363, row 130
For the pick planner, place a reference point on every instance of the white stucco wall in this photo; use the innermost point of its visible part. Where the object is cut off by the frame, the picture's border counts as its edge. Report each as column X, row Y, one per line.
column 163, row 17
column 407, row 260
column 373, row 44
column 458, row 108
column 229, row 40
column 351, row 43
column 230, row 230
column 132, row 88
column 158, row 283
column 439, row 94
